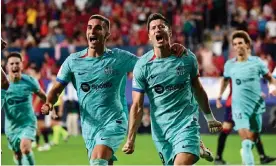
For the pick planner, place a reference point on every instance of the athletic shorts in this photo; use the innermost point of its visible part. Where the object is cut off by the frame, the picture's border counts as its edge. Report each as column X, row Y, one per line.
column 252, row 122
column 187, row 141
column 111, row 135
column 228, row 115
column 14, row 139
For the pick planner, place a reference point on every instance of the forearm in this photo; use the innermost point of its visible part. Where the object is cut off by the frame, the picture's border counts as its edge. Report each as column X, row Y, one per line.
column 54, row 94
column 135, row 118
column 202, row 99
column 223, row 86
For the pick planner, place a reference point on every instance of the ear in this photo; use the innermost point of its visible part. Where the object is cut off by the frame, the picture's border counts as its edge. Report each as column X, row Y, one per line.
column 149, row 37
column 107, row 35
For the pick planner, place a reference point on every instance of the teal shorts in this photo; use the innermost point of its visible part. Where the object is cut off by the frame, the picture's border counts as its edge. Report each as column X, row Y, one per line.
column 111, row 135
column 187, row 141
column 14, row 139
column 252, row 122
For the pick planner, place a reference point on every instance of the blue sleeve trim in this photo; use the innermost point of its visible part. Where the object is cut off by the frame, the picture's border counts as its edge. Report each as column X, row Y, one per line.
column 138, row 90
column 62, row 82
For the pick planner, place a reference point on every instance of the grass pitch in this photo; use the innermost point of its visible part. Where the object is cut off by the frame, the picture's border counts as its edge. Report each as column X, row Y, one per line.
column 73, row 152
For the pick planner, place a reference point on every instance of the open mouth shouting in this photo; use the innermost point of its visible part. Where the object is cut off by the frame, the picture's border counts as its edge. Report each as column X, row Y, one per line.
column 159, row 38
column 93, row 39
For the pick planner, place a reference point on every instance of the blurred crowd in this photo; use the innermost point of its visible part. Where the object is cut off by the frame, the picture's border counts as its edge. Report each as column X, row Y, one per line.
column 204, row 26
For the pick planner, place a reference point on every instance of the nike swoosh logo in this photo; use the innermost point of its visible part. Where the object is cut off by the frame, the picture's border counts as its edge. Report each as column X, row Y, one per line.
column 81, row 73
column 104, row 138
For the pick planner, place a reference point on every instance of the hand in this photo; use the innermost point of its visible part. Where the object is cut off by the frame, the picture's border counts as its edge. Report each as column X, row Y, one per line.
column 178, row 49
column 214, row 126
column 46, row 108
column 273, row 92
column 54, row 114
column 3, row 44
column 128, row 147
column 218, row 103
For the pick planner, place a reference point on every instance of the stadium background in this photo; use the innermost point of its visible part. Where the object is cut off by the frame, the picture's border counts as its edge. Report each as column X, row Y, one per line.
column 47, row 31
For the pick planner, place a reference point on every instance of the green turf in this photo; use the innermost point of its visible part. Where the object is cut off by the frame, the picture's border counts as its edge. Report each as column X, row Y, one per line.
column 74, row 152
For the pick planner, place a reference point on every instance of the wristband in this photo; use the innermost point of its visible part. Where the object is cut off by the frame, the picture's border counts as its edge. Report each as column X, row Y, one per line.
column 209, row 117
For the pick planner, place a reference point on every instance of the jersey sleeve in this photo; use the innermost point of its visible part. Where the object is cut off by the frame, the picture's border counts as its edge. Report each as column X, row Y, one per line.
column 34, row 85
column 64, row 75
column 263, row 69
column 138, row 81
column 226, row 73
column 194, row 71
column 129, row 60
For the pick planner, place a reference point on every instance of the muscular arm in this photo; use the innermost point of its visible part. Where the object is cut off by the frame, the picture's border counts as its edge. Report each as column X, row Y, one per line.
column 41, row 94
column 201, row 96
column 136, row 114
column 54, row 93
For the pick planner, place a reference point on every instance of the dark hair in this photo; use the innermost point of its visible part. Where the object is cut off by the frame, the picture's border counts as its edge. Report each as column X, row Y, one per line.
column 14, row 54
column 102, row 18
column 241, row 34
column 157, row 16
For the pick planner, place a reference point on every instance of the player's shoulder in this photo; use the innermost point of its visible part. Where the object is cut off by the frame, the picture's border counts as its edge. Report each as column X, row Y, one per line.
column 230, row 61
column 146, row 58
column 118, row 52
column 254, row 59
column 79, row 54
column 27, row 78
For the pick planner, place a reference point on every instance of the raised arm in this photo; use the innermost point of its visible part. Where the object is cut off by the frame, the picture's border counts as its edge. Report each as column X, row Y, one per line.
column 135, row 118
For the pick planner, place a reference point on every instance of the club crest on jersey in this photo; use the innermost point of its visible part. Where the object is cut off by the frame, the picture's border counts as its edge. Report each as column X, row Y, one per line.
column 180, row 70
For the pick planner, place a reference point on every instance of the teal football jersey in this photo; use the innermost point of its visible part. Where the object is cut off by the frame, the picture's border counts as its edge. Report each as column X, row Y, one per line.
column 18, row 104
column 123, row 95
column 246, row 85
column 97, row 81
column 167, row 82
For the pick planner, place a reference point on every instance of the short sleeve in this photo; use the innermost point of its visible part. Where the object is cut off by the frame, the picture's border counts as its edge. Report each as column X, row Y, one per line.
column 35, row 85
column 129, row 60
column 64, row 75
column 138, row 81
column 263, row 69
column 226, row 73
column 194, row 71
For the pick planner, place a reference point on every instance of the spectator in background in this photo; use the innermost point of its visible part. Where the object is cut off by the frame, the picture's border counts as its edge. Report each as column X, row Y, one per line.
column 271, row 29
column 71, row 106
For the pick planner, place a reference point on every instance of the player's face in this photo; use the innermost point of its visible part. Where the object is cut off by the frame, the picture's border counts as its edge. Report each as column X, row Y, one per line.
column 14, row 66
column 159, row 33
column 96, row 33
column 240, row 47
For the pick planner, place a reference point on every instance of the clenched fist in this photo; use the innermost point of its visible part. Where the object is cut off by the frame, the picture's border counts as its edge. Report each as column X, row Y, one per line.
column 128, row 147
column 46, row 108
column 214, row 126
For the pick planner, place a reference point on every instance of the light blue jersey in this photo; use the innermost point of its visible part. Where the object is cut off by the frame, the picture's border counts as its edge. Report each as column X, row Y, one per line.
column 246, row 91
column 18, row 104
column 123, row 95
column 167, row 82
column 98, row 81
